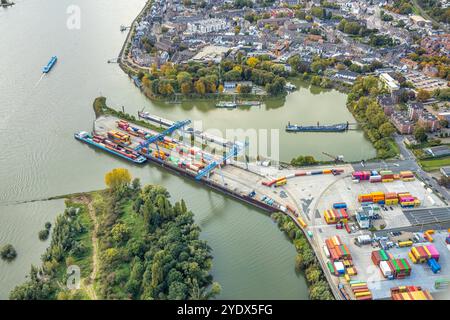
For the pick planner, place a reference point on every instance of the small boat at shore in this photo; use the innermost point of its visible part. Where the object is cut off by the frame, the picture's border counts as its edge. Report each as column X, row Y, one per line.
column 111, row 147
column 226, row 104
column 340, row 127
column 50, row 65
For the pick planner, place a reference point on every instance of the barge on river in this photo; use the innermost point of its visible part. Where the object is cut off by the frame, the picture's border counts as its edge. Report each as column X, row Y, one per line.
column 50, row 65
column 111, row 147
column 340, row 127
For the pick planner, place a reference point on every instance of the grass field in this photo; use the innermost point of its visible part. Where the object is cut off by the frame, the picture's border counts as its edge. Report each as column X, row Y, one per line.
column 435, row 164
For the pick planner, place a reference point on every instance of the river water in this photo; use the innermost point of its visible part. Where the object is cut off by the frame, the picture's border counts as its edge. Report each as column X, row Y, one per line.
column 40, row 158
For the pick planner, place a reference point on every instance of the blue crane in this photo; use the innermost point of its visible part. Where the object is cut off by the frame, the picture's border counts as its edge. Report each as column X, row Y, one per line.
column 160, row 136
column 235, row 150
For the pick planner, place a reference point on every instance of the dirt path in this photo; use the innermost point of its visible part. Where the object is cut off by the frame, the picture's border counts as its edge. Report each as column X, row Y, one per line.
column 88, row 284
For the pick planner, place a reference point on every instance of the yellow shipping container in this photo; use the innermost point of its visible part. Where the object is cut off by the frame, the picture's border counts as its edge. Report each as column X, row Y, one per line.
column 405, row 243
column 281, row 183
column 412, row 257
column 347, row 278
column 428, row 252
column 387, row 180
column 362, row 294
column 302, row 223
column 327, row 171
column 415, row 252
column 391, row 202
column 418, row 295
column 405, row 296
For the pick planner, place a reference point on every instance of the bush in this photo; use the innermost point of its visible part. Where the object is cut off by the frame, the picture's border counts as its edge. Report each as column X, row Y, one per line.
column 8, row 253
column 43, row 234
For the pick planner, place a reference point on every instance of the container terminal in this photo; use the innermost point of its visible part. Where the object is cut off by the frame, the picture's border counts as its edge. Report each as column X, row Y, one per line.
column 377, row 234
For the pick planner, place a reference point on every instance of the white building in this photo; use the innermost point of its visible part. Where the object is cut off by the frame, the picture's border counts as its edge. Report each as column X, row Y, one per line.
column 391, row 83
column 206, row 26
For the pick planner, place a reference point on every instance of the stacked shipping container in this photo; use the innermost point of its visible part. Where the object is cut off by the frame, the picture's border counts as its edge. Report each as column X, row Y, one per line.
column 391, row 198
column 360, row 290
column 410, row 293
column 333, row 216
column 382, row 176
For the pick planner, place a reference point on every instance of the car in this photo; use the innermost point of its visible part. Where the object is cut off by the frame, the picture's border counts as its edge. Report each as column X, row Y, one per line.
column 391, row 208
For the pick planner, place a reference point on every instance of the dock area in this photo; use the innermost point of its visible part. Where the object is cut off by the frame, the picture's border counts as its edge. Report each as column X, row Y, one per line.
column 303, row 194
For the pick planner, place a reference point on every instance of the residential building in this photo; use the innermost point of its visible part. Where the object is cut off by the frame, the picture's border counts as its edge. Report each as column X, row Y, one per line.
column 415, row 109
column 401, row 121
column 429, row 121
column 206, row 26
column 387, row 103
column 346, row 75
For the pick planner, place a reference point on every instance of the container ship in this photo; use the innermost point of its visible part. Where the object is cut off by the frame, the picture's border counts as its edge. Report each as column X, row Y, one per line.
column 111, row 147
column 50, row 65
column 340, row 127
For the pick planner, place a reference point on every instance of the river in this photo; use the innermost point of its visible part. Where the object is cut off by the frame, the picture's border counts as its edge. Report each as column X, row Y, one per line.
column 40, row 158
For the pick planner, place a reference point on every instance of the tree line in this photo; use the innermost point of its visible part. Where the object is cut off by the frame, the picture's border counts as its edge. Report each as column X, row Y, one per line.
column 149, row 248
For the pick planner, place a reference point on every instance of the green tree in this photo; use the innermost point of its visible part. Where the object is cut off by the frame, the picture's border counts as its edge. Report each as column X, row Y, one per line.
column 420, row 134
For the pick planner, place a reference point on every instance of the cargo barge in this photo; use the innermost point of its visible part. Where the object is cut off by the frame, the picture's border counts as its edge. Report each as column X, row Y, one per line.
column 340, row 127
column 111, row 147
column 50, row 65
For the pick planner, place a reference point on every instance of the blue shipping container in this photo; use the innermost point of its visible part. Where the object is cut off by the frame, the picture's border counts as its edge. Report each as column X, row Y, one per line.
column 434, row 265
column 340, row 205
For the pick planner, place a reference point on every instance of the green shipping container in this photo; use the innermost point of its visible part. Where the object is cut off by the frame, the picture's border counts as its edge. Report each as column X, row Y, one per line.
column 394, row 263
column 404, row 264
column 330, row 267
column 384, row 256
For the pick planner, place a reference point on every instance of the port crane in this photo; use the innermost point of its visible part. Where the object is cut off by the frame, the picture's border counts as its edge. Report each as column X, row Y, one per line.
column 160, row 136
column 235, row 151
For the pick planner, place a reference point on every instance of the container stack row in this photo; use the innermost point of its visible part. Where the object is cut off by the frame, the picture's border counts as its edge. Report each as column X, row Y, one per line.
column 382, row 176
column 360, row 290
column 426, row 253
column 333, row 216
column 405, row 199
column 283, row 180
column 410, row 293
column 391, row 268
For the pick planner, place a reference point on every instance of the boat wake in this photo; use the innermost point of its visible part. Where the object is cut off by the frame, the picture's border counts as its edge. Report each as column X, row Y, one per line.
column 39, row 81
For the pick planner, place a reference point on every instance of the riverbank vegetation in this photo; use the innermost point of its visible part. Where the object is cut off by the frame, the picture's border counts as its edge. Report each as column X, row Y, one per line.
column 102, row 109
column 194, row 79
column 130, row 242
column 362, row 103
column 306, row 260
column 8, row 253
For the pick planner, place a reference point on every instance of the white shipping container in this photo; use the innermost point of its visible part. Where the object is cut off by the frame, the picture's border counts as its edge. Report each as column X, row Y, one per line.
column 355, row 180
column 336, row 239
column 283, row 209
column 385, row 269
column 325, row 250
column 364, row 239
column 339, row 266
column 290, row 176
